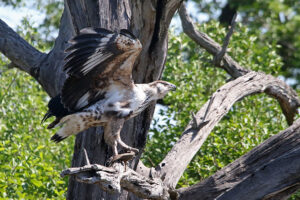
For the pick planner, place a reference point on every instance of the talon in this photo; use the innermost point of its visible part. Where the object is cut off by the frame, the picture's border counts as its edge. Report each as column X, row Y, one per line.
column 136, row 151
column 131, row 149
column 121, row 157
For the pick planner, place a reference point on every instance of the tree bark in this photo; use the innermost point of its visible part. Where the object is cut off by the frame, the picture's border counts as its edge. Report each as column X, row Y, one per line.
column 159, row 183
column 149, row 21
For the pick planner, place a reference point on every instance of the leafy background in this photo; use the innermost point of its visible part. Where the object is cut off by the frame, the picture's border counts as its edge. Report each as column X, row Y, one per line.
column 30, row 163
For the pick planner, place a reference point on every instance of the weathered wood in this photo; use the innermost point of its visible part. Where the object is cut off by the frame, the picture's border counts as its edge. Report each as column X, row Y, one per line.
column 21, row 53
column 148, row 20
column 220, row 55
column 177, row 159
column 113, row 179
column 145, row 20
column 268, row 171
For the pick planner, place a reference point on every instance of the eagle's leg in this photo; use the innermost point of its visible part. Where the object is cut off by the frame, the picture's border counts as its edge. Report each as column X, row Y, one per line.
column 112, row 133
column 112, row 136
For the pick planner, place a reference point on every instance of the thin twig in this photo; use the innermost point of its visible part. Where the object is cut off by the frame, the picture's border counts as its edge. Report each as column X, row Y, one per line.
column 220, row 55
column 195, row 124
column 86, row 157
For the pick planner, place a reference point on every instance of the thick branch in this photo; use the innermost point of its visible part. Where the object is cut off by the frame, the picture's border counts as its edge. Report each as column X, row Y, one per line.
column 45, row 68
column 174, row 164
column 269, row 171
column 22, row 54
column 113, row 179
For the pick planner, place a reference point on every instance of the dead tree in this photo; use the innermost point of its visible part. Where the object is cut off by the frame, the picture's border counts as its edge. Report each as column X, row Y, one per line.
column 272, row 169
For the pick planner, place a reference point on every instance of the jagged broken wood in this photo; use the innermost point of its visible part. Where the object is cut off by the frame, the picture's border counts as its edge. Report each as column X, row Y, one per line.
column 173, row 165
column 112, row 179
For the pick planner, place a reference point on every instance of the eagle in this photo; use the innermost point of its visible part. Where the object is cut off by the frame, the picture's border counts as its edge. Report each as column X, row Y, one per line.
column 99, row 89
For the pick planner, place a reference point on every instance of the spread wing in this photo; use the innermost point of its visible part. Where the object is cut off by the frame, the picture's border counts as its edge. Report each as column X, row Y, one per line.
column 96, row 59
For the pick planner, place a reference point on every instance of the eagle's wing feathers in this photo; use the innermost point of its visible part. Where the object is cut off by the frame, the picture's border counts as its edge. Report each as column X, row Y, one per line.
column 78, row 93
column 96, row 59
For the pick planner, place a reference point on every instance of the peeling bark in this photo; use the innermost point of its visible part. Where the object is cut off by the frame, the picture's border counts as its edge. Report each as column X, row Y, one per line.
column 114, row 178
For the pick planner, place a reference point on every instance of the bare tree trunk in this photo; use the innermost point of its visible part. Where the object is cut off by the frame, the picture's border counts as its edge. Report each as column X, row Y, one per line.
column 149, row 21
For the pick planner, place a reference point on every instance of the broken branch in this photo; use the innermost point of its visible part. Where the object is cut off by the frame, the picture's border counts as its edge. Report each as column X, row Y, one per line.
column 112, row 179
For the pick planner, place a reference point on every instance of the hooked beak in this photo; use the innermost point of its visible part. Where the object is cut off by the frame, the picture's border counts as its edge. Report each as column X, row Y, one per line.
column 173, row 87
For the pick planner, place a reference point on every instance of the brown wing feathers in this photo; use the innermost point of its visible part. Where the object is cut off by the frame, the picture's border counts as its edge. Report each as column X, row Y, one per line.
column 94, row 51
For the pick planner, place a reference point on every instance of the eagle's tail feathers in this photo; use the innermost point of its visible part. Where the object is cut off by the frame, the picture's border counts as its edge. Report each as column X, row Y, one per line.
column 57, row 138
column 70, row 125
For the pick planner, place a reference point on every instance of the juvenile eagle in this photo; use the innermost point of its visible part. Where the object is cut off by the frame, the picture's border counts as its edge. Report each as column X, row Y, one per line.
column 99, row 90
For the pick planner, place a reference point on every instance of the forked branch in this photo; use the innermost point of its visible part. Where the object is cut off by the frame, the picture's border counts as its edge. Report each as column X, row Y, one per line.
column 212, row 47
column 220, row 55
column 172, row 167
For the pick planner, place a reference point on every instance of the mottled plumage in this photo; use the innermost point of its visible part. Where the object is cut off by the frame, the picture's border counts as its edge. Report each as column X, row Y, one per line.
column 99, row 90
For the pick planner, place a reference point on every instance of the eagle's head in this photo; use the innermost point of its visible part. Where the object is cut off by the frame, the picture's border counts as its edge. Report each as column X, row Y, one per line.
column 161, row 88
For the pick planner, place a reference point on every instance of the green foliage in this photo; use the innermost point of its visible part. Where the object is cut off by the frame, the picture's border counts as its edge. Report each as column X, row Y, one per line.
column 280, row 22
column 30, row 162
column 248, row 123
column 50, row 10
column 274, row 21
column 53, row 10
column 14, row 3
